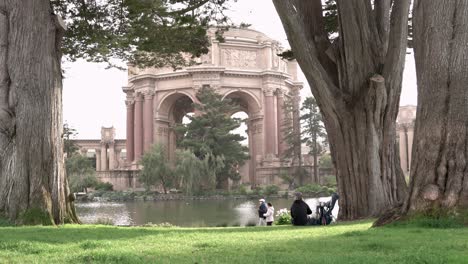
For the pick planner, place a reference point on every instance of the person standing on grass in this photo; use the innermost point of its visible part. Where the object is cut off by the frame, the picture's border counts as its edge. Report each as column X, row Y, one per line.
column 270, row 215
column 299, row 211
column 262, row 209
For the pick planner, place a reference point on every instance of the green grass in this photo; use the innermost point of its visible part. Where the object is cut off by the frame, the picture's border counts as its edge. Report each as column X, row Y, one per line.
column 352, row 242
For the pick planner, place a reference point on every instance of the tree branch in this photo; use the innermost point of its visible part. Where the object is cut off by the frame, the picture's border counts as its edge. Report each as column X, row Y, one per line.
column 6, row 115
column 188, row 9
column 359, row 44
column 382, row 19
column 306, row 52
column 395, row 58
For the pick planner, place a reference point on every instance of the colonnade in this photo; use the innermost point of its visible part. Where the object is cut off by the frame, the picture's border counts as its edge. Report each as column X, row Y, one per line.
column 139, row 125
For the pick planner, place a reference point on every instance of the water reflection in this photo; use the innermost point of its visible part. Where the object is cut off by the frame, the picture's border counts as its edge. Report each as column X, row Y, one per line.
column 183, row 213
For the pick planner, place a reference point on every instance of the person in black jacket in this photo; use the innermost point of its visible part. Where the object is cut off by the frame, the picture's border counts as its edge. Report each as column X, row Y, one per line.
column 262, row 209
column 299, row 211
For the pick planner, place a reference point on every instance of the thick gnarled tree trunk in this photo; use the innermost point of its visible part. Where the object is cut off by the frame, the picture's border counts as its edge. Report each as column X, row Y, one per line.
column 439, row 171
column 356, row 81
column 33, row 187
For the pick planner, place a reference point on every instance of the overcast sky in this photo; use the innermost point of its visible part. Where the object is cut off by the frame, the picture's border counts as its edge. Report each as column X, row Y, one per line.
column 93, row 96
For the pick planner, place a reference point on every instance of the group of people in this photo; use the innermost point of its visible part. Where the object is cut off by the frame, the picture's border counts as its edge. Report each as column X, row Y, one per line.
column 266, row 213
column 300, row 212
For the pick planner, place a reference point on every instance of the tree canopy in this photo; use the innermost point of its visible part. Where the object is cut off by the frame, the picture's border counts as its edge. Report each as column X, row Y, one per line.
column 149, row 33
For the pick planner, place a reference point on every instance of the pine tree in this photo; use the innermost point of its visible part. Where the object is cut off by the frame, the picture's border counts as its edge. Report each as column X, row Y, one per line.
column 210, row 132
column 313, row 131
column 292, row 136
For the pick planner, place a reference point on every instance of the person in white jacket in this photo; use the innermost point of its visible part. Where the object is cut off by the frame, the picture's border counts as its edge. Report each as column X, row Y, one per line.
column 270, row 214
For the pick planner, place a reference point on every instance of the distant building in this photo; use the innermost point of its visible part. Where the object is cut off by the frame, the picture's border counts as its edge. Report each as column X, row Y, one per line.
column 405, row 133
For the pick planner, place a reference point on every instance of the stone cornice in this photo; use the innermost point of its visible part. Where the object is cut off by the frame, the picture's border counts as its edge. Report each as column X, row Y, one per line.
column 212, row 69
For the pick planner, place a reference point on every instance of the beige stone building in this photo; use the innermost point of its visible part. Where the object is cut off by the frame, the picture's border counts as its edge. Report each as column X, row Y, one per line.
column 405, row 132
column 246, row 68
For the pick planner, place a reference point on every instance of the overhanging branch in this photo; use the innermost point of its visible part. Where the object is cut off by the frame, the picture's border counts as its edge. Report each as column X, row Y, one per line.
column 306, row 51
column 396, row 52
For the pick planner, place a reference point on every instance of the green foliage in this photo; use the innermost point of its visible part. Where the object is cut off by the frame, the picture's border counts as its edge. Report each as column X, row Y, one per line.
column 313, row 131
column 69, row 147
column 330, row 14
column 156, row 169
column 5, row 222
column 197, row 174
column 80, row 171
column 241, row 189
column 36, row 216
column 436, row 218
column 283, row 217
column 326, row 161
column 148, row 33
column 330, row 181
column 210, row 133
column 315, row 189
column 104, row 186
column 271, row 189
column 287, row 178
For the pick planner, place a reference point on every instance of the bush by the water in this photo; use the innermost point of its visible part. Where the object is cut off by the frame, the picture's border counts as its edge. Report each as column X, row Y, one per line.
column 104, row 186
column 283, row 217
column 271, row 189
column 315, row 189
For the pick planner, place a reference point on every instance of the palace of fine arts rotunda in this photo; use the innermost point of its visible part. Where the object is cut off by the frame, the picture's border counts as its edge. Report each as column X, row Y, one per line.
column 244, row 67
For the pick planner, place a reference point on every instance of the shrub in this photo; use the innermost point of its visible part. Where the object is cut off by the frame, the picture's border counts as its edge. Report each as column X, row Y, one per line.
column 283, row 217
column 5, row 222
column 240, row 190
column 271, row 189
column 104, row 186
column 330, row 180
column 315, row 189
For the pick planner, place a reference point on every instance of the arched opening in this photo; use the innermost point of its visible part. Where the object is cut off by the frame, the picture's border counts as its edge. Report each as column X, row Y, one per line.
column 172, row 111
column 248, row 109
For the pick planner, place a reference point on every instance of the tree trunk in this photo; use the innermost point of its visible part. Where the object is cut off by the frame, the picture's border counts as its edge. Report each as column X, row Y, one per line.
column 439, row 171
column 316, row 172
column 33, row 186
column 356, row 81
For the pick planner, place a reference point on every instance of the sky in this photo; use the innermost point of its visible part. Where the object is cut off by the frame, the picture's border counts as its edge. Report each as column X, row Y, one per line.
column 93, row 95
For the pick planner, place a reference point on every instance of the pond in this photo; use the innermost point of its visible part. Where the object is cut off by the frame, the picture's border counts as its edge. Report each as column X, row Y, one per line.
column 185, row 213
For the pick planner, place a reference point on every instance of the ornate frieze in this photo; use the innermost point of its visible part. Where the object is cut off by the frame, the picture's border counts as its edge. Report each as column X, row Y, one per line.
column 239, row 58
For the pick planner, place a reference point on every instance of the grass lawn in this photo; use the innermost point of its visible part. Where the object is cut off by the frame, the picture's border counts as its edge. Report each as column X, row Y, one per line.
column 352, row 242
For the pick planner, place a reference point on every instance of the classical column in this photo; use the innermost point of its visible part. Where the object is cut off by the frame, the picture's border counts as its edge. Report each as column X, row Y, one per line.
column 282, row 145
column 104, row 157
column 270, row 140
column 403, row 148
column 111, row 156
column 148, row 121
column 98, row 159
column 130, row 145
column 409, row 142
column 138, row 136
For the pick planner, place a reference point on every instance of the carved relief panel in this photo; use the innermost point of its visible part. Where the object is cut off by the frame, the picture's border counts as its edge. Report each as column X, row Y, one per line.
column 239, row 58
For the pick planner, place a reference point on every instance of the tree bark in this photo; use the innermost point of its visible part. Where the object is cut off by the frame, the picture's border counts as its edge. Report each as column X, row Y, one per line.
column 356, row 81
column 33, row 186
column 439, row 171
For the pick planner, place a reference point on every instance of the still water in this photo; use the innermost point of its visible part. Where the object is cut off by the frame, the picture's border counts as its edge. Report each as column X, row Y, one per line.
column 183, row 213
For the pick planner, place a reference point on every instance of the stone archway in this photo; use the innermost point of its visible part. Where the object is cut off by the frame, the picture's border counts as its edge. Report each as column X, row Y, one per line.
column 244, row 68
column 170, row 111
